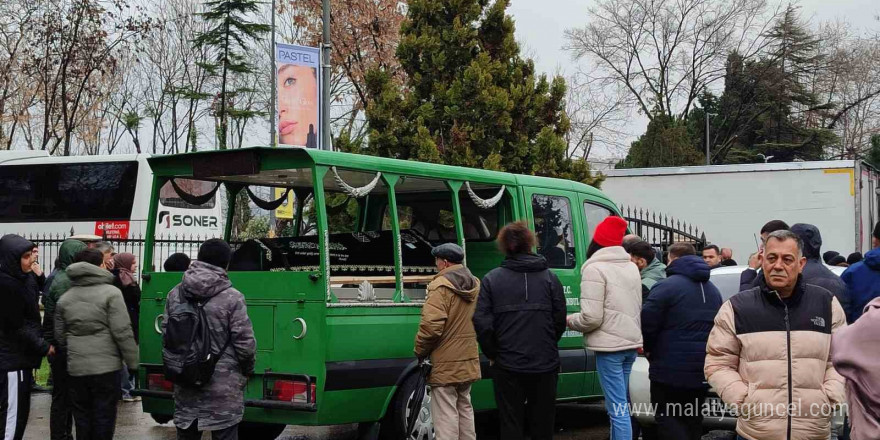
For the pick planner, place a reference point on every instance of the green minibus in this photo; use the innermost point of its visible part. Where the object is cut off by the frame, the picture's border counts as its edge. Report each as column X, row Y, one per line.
column 335, row 291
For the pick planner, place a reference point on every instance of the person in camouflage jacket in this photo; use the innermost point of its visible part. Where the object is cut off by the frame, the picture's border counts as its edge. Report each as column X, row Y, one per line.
column 218, row 406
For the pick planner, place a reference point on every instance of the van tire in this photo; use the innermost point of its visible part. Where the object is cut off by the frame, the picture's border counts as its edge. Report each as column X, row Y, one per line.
column 393, row 426
column 161, row 418
column 260, row 431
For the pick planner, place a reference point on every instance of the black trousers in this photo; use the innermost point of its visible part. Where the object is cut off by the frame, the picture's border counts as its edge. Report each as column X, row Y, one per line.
column 60, row 413
column 679, row 413
column 15, row 397
column 525, row 401
column 193, row 433
column 94, row 401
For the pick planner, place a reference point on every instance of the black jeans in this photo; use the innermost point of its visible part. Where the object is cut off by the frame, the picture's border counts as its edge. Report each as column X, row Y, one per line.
column 525, row 399
column 94, row 405
column 60, row 413
column 679, row 413
column 193, row 433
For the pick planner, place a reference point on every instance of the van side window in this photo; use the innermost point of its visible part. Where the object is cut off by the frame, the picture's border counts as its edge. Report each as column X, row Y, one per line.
column 594, row 214
column 553, row 228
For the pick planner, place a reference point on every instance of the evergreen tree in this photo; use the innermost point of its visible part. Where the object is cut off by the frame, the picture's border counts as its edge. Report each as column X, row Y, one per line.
column 874, row 153
column 469, row 99
column 229, row 37
column 666, row 143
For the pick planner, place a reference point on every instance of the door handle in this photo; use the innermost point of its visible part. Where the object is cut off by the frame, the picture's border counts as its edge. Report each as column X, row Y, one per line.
column 305, row 328
column 156, row 324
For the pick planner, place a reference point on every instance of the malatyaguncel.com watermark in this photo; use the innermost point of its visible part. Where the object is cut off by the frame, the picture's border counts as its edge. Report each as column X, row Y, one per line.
column 717, row 409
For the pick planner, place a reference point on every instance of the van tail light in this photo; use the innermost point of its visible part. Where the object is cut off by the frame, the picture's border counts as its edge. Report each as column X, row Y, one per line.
column 158, row 382
column 295, row 391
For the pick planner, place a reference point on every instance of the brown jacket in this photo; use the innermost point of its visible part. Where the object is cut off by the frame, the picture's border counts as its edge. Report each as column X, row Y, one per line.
column 446, row 331
column 762, row 363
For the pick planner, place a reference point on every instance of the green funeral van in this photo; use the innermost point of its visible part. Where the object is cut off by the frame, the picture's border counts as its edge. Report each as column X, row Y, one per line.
column 336, row 289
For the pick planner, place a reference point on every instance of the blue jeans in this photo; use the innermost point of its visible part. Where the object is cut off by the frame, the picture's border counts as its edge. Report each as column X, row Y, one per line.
column 614, row 369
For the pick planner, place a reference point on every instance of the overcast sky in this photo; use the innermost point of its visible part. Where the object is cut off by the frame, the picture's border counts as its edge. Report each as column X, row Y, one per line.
column 540, row 25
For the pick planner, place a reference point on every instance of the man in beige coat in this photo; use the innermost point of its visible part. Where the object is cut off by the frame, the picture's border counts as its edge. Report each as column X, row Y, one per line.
column 446, row 334
column 768, row 354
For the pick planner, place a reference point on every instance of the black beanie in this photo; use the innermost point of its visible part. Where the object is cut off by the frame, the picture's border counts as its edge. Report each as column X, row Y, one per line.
column 828, row 255
column 178, row 262
column 854, row 258
column 216, row 252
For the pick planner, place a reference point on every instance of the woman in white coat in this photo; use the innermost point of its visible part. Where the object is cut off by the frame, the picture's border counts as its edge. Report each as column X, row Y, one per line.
column 611, row 303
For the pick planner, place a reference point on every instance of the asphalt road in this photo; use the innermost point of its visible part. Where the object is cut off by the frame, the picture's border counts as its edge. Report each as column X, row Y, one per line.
column 582, row 422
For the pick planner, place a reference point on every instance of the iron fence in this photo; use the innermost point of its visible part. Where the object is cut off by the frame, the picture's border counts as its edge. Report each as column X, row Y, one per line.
column 661, row 231
column 49, row 245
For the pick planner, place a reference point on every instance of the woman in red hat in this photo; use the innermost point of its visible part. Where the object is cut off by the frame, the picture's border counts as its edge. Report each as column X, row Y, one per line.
column 611, row 303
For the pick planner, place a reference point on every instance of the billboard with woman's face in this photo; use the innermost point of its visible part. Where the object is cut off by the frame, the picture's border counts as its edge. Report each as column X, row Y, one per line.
column 297, row 80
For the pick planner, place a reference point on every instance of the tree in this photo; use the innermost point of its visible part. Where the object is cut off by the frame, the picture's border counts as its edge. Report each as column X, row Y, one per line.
column 666, row 143
column 469, row 99
column 874, row 153
column 229, row 38
column 666, row 53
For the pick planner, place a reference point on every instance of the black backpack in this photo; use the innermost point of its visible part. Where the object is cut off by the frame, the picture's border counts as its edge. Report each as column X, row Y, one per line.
column 186, row 345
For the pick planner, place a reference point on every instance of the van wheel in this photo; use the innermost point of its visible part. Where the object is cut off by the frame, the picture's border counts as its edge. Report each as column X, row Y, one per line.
column 260, row 431
column 394, row 424
column 161, row 418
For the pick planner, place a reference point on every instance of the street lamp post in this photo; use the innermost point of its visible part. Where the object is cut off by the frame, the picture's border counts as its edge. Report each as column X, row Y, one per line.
column 708, row 157
column 325, row 78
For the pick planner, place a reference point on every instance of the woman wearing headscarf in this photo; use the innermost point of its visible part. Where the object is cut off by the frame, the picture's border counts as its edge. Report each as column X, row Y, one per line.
column 124, row 267
column 610, row 317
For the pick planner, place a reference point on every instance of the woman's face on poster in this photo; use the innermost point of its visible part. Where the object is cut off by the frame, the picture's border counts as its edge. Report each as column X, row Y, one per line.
column 297, row 104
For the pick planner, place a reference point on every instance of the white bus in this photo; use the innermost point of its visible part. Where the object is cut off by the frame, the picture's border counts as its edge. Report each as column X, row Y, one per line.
column 108, row 196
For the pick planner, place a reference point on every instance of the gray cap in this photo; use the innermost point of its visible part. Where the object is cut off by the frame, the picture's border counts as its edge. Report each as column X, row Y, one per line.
column 449, row 251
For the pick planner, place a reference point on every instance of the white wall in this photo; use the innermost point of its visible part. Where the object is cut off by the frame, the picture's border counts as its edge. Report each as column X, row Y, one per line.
column 732, row 207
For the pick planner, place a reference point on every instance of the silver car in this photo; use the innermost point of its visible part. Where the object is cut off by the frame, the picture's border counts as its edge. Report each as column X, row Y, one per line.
column 726, row 279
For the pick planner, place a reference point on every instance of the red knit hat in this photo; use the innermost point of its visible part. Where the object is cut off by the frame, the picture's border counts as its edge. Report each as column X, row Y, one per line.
column 610, row 232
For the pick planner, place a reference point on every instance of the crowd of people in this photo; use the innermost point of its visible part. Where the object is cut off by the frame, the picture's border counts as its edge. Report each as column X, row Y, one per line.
column 779, row 352
column 781, row 342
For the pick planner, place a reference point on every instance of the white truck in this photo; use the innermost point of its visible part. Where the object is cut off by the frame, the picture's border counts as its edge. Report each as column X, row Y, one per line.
column 731, row 202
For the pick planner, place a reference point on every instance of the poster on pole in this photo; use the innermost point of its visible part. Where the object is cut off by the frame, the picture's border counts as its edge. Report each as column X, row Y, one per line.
column 285, row 211
column 297, row 80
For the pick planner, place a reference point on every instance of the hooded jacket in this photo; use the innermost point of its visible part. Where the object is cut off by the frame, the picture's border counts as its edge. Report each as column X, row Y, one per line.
column 220, row 403
column 446, row 330
column 815, row 272
column 92, row 325
column 60, row 284
column 676, row 320
column 520, row 315
column 652, row 273
column 611, row 302
column 854, row 355
column 765, row 354
column 21, row 343
column 862, row 284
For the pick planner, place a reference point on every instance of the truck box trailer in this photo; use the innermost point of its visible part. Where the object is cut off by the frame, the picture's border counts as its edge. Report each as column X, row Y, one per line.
column 731, row 202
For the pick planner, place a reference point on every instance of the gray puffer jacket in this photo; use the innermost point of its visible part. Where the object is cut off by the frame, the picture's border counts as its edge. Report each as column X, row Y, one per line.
column 92, row 324
column 220, row 403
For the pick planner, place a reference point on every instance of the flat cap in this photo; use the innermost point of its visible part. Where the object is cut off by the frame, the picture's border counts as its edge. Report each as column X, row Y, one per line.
column 449, row 251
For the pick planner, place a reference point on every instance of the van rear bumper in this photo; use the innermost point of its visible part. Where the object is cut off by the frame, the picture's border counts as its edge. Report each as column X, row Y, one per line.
column 252, row 403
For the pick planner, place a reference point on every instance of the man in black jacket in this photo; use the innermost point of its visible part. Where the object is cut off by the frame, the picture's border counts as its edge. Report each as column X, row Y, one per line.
column 749, row 277
column 21, row 342
column 519, row 320
column 676, row 320
column 815, row 272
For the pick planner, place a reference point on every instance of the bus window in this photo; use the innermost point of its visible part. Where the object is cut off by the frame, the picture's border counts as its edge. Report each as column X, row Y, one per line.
column 69, row 191
column 169, row 197
column 594, row 214
column 361, row 253
column 553, row 228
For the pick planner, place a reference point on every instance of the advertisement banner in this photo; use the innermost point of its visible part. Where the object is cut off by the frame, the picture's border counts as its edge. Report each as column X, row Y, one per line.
column 297, row 77
column 285, row 211
column 112, row 229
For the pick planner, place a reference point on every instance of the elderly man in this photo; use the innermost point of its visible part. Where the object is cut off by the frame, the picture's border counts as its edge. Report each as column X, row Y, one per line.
column 749, row 277
column 446, row 335
column 778, row 393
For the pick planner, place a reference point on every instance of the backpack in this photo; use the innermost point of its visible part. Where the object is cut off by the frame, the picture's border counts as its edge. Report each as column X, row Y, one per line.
column 186, row 345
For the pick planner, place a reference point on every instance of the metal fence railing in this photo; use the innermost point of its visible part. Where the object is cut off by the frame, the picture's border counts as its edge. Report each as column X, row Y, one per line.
column 661, row 231
column 49, row 245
